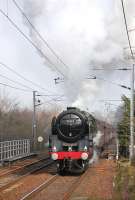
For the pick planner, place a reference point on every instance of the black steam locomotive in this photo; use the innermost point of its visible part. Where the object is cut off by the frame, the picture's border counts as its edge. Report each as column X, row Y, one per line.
column 71, row 140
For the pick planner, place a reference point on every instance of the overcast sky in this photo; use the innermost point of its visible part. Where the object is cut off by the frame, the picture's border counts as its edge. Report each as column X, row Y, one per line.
column 85, row 34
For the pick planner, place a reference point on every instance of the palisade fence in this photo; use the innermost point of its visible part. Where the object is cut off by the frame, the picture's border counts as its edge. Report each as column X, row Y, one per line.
column 13, row 149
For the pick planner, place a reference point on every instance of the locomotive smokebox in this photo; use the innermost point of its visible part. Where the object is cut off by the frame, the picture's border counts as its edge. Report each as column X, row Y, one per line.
column 70, row 125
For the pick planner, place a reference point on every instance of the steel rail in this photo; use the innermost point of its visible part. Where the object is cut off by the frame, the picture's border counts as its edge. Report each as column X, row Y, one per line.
column 74, row 185
column 38, row 189
column 19, row 168
column 51, row 180
column 32, row 171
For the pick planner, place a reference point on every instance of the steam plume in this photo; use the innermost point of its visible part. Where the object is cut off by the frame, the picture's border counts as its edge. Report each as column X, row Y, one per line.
column 85, row 34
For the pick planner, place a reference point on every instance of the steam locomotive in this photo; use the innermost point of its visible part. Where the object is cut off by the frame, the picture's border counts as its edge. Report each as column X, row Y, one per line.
column 71, row 140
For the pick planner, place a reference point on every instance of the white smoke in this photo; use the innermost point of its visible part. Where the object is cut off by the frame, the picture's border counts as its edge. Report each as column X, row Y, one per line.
column 94, row 158
column 97, row 138
column 96, row 141
column 84, row 33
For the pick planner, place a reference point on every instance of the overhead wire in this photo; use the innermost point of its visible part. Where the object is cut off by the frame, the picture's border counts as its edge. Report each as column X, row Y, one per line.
column 11, row 21
column 16, row 82
column 52, row 98
column 7, row 67
column 7, row 6
column 120, row 100
column 107, row 69
column 24, row 78
column 130, row 47
column 127, row 32
column 132, row 29
column 17, row 88
column 98, row 78
column 50, row 102
column 111, row 82
column 38, row 33
column 30, row 41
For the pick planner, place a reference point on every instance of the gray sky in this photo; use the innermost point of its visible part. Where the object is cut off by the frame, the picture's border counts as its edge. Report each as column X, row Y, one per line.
column 84, row 34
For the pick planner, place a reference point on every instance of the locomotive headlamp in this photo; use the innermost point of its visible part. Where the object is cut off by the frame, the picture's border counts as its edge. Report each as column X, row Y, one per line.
column 85, row 148
column 69, row 148
column 54, row 156
column 84, row 156
column 54, row 149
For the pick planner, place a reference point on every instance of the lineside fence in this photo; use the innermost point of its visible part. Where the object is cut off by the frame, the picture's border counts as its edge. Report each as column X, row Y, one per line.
column 14, row 149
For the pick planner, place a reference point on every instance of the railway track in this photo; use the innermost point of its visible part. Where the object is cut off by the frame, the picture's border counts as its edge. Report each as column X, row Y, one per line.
column 46, row 184
column 41, row 187
column 50, row 183
column 73, row 187
column 21, row 163
column 19, row 166
column 8, row 180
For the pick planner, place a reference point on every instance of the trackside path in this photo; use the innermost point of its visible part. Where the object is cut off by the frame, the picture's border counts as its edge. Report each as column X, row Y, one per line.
column 98, row 184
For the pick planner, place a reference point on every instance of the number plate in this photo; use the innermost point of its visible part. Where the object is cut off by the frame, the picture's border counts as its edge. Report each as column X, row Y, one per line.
column 69, row 144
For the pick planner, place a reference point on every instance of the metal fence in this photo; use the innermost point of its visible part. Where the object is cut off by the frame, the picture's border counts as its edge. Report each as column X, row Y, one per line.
column 11, row 150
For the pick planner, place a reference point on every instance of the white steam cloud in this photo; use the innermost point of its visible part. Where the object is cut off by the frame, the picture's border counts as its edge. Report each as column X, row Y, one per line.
column 84, row 33
column 96, row 141
column 97, row 138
